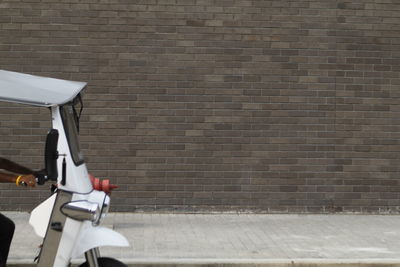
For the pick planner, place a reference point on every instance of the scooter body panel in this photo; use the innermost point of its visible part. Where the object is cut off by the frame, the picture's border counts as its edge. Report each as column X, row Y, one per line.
column 40, row 216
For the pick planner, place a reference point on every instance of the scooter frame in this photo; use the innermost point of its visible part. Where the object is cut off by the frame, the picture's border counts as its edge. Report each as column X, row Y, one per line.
column 80, row 236
column 69, row 233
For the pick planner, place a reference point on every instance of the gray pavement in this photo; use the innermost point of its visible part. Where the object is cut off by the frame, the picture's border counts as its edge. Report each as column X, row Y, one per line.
column 239, row 239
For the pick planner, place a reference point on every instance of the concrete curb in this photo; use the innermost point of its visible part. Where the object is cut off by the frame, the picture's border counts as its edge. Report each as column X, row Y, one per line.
column 244, row 263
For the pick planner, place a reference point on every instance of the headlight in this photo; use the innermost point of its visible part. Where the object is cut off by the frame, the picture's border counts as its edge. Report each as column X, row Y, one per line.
column 81, row 210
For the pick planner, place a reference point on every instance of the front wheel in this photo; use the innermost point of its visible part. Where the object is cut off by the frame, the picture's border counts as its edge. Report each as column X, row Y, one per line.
column 106, row 262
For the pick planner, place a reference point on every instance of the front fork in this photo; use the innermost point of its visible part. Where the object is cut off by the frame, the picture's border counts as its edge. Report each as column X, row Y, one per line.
column 91, row 257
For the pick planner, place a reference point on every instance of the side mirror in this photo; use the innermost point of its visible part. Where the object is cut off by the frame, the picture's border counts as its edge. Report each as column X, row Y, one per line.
column 51, row 155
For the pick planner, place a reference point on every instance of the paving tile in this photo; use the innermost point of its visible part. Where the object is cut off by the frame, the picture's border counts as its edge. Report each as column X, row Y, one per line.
column 238, row 238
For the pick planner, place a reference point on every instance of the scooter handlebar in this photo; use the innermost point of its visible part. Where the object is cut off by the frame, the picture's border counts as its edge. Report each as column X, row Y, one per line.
column 40, row 180
column 40, row 177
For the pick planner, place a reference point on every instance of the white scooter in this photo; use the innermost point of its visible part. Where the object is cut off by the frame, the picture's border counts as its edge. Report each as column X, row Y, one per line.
column 68, row 220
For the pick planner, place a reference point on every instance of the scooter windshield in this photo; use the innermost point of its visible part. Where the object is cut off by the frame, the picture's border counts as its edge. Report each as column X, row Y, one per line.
column 71, row 129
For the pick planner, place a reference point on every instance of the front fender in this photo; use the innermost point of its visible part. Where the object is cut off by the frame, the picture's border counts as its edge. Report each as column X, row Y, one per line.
column 96, row 236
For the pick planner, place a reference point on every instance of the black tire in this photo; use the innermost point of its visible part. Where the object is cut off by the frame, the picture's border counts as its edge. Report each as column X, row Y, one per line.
column 106, row 262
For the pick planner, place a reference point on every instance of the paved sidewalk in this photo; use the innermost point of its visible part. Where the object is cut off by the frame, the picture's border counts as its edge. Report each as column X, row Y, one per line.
column 244, row 239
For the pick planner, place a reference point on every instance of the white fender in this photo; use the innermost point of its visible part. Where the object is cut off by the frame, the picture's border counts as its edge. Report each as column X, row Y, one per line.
column 92, row 237
column 40, row 216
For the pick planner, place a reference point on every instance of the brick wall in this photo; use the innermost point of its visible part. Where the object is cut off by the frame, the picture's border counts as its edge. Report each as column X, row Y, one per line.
column 275, row 105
